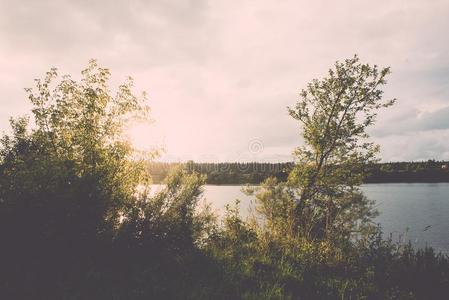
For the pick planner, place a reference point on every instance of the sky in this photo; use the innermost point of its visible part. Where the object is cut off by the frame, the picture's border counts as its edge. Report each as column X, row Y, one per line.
column 220, row 74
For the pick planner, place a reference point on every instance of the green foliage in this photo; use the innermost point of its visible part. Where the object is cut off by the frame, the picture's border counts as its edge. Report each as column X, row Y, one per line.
column 75, row 199
column 334, row 113
column 76, row 137
column 170, row 218
column 275, row 208
column 156, row 252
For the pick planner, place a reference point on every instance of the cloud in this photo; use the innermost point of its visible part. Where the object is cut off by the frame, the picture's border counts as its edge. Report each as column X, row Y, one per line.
column 416, row 146
column 220, row 73
column 415, row 121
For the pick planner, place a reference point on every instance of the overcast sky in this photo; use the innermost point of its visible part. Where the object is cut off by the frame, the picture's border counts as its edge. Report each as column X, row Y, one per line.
column 220, row 74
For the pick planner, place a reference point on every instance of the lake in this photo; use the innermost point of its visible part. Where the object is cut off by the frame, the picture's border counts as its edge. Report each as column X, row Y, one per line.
column 418, row 212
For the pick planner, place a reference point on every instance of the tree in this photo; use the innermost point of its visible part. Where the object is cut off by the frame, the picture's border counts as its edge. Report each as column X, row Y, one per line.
column 77, row 217
column 67, row 177
column 322, row 199
column 334, row 113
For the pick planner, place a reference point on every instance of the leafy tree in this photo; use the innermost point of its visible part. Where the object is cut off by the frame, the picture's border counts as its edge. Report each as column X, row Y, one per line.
column 322, row 199
column 78, row 219
column 67, row 178
column 334, row 113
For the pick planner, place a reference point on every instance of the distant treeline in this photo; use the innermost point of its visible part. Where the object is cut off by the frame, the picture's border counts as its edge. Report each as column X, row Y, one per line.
column 257, row 172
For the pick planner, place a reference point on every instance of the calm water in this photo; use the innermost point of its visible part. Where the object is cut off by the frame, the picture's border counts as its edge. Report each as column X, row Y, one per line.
column 418, row 212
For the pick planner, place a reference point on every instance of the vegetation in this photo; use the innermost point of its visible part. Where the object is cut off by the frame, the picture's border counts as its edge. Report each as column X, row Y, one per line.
column 334, row 113
column 78, row 219
column 224, row 173
column 426, row 171
column 257, row 172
